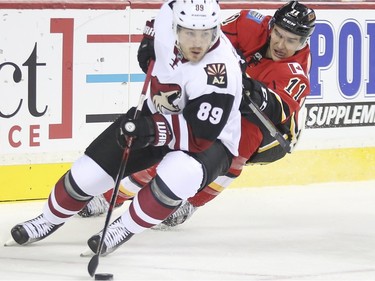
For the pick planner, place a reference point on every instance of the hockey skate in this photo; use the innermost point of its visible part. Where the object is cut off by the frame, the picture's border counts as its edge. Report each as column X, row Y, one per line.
column 97, row 206
column 183, row 213
column 116, row 235
column 32, row 230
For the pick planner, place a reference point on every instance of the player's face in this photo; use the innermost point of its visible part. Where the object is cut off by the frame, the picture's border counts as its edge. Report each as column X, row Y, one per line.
column 194, row 43
column 283, row 44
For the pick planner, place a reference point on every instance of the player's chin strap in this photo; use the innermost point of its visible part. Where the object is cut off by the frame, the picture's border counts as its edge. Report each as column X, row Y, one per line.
column 285, row 144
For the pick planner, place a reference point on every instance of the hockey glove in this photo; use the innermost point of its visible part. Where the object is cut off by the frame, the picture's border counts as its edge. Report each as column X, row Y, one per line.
column 146, row 130
column 255, row 90
column 146, row 51
column 264, row 98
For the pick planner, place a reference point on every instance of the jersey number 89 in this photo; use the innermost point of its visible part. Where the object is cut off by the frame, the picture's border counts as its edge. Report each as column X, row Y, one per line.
column 207, row 112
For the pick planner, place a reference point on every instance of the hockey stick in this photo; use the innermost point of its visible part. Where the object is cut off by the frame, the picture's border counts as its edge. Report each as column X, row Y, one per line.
column 285, row 144
column 94, row 262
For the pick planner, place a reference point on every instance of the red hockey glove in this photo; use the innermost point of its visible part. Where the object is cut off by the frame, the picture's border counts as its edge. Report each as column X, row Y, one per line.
column 146, row 130
column 146, row 48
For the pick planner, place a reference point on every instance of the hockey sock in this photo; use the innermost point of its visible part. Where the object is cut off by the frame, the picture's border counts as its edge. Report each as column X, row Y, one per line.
column 202, row 197
column 65, row 200
column 131, row 185
column 153, row 204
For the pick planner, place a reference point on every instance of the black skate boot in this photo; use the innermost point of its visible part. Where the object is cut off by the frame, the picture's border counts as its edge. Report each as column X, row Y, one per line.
column 116, row 235
column 33, row 230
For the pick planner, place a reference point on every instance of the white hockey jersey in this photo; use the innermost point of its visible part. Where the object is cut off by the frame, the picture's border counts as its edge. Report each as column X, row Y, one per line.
column 199, row 100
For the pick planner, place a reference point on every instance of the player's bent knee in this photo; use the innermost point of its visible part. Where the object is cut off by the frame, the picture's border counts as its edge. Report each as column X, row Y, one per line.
column 90, row 177
column 181, row 173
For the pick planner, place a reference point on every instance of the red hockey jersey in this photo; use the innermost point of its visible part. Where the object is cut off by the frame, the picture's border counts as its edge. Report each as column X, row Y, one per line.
column 288, row 78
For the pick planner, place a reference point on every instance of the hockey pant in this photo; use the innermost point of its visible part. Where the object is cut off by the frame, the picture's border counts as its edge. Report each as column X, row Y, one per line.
column 179, row 176
column 250, row 140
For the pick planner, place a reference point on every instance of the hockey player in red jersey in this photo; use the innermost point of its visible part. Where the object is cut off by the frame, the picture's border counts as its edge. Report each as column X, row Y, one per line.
column 278, row 57
column 190, row 124
column 277, row 64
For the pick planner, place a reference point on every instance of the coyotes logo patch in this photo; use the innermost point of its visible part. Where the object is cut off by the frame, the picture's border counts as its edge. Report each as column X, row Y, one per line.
column 164, row 101
column 165, row 96
column 216, row 75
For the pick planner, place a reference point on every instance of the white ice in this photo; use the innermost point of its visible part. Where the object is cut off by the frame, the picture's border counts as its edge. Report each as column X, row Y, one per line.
column 312, row 232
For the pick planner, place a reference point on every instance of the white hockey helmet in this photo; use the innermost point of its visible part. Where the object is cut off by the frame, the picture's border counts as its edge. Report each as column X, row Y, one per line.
column 197, row 14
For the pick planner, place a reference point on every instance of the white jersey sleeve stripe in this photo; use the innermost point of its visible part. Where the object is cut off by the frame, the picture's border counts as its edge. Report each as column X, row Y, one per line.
column 184, row 134
column 173, row 141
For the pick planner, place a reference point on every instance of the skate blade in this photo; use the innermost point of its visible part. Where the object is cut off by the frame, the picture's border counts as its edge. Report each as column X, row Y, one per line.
column 87, row 253
column 10, row 242
column 162, row 227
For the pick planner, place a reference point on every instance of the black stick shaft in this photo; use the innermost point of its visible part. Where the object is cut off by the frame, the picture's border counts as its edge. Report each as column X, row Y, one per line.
column 285, row 144
column 94, row 262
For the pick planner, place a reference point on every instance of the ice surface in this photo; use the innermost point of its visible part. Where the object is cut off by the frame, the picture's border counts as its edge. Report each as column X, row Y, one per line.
column 312, row 232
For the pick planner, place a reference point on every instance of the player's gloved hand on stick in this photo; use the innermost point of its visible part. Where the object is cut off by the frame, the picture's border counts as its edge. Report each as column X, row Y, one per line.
column 263, row 97
column 146, row 48
column 146, row 130
column 255, row 90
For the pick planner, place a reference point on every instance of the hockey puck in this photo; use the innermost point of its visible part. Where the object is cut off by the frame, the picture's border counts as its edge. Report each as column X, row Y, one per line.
column 104, row 276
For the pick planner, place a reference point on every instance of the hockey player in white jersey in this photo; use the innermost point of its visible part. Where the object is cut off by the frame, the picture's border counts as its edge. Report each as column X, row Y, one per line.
column 190, row 124
column 293, row 20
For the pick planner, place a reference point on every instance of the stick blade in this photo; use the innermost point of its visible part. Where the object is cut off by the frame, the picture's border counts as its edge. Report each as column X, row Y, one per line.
column 93, row 265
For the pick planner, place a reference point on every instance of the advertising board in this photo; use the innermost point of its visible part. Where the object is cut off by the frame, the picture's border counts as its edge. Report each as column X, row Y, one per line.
column 65, row 73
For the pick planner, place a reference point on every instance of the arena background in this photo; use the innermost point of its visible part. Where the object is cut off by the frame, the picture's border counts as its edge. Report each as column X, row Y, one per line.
column 67, row 68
